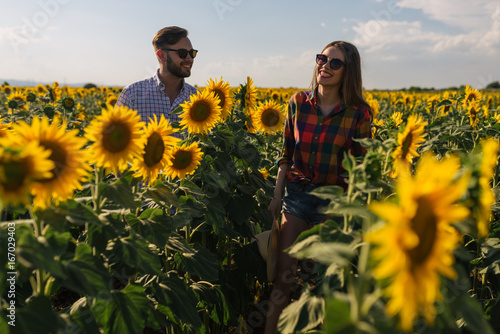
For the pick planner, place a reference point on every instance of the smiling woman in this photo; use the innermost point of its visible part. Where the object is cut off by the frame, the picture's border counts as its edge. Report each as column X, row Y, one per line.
column 321, row 126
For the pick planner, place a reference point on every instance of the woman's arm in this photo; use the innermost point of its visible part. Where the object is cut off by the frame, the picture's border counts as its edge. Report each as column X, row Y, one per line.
column 275, row 205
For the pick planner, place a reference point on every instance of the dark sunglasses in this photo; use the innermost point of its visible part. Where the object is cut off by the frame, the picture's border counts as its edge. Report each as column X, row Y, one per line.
column 183, row 53
column 335, row 63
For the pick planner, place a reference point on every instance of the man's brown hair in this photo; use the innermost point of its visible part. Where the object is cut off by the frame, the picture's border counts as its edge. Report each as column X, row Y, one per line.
column 168, row 36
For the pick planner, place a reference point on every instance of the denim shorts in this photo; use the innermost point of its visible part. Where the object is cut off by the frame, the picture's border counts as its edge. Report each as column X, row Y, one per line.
column 298, row 202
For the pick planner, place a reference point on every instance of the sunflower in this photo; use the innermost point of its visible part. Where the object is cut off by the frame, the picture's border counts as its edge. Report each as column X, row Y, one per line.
column 250, row 95
column 264, row 172
column 432, row 103
column 472, row 110
column 71, row 166
column 155, row 156
column 67, row 103
column 111, row 100
column 397, row 118
column 15, row 101
column 444, row 109
column 7, row 89
column 471, row 95
column 183, row 160
column 49, row 110
column 117, row 136
column 489, row 161
column 201, row 113
column 30, row 96
column 54, row 92
column 221, row 90
column 408, row 142
column 41, row 89
column 5, row 128
column 374, row 106
column 415, row 246
column 21, row 164
column 269, row 117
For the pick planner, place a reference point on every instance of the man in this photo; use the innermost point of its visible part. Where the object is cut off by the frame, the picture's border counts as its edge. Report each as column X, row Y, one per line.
column 166, row 90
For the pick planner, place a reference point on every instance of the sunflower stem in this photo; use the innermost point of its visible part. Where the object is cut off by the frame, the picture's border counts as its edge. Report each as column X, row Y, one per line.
column 95, row 192
column 41, row 276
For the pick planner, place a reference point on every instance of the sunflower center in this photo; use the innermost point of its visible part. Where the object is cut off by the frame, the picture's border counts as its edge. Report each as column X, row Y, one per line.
column 473, row 112
column 58, row 155
column 221, row 97
column 155, row 147
column 13, row 104
column 471, row 97
column 406, row 144
column 117, row 136
column 200, row 111
column 270, row 117
column 425, row 226
column 69, row 103
column 182, row 159
column 15, row 174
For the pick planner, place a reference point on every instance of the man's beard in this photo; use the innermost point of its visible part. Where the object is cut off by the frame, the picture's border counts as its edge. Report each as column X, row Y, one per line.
column 176, row 70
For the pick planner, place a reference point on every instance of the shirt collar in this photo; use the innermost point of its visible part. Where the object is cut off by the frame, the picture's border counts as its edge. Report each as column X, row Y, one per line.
column 160, row 84
column 313, row 99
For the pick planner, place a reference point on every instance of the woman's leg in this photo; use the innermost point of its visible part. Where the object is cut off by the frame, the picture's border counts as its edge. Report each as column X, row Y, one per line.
column 291, row 228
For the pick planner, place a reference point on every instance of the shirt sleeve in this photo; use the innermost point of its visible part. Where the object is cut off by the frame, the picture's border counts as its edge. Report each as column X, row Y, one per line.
column 125, row 98
column 288, row 135
column 363, row 130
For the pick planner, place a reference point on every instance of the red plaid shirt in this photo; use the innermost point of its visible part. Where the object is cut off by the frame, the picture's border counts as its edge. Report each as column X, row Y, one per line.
column 314, row 145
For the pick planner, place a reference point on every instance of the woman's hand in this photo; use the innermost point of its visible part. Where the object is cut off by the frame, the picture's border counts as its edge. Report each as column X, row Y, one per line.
column 274, row 207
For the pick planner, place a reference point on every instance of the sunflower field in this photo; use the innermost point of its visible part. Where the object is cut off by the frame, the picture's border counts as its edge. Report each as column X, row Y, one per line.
column 112, row 225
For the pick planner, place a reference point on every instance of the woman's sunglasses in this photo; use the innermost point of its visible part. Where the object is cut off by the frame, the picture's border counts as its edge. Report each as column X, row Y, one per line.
column 335, row 63
column 183, row 53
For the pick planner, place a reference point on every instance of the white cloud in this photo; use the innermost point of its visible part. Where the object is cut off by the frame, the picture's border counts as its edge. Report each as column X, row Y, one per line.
column 379, row 35
column 480, row 32
column 457, row 13
column 21, row 35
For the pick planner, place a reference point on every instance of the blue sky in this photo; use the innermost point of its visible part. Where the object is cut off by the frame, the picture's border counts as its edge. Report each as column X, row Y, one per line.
column 403, row 43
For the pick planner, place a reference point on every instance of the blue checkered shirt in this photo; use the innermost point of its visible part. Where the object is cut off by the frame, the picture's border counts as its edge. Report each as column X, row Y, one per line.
column 148, row 98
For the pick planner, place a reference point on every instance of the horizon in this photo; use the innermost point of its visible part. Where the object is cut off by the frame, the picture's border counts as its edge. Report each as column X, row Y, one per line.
column 402, row 43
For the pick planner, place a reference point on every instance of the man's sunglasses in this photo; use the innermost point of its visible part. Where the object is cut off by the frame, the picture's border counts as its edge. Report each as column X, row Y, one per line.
column 335, row 63
column 183, row 53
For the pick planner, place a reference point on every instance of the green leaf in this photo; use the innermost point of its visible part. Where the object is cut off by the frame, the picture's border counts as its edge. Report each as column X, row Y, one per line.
column 472, row 314
column 36, row 317
column 177, row 301
column 338, row 316
column 153, row 225
column 349, row 162
column 85, row 273
column 81, row 214
column 80, row 318
column 119, row 192
column 324, row 252
column 123, row 311
column 215, row 213
column 36, row 252
column 240, row 208
column 195, row 260
column 214, row 300
column 162, row 193
column 328, row 192
column 302, row 315
column 135, row 253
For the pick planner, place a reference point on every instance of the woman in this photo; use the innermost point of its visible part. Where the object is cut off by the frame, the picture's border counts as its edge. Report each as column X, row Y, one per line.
column 320, row 127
